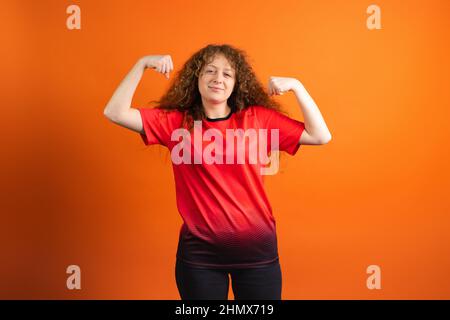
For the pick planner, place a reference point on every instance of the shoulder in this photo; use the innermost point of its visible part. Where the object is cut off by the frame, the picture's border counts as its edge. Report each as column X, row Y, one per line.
column 255, row 109
column 257, row 113
column 164, row 117
column 262, row 112
column 161, row 113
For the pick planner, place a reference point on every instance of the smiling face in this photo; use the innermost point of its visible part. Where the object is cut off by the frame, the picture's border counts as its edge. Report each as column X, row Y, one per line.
column 216, row 80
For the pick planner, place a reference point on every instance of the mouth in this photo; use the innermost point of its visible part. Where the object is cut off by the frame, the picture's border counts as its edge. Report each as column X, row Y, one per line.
column 215, row 88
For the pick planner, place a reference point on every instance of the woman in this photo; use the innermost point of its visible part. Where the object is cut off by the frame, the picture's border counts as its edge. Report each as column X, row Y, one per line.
column 228, row 228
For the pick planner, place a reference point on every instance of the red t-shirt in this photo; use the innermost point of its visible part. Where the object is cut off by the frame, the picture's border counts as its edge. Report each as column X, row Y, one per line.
column 228, row 220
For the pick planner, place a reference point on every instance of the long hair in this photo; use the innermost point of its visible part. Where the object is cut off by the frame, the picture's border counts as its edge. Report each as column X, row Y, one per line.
column 183, row 94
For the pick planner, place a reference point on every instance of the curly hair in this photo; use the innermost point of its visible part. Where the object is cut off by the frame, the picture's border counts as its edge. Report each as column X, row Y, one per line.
column 183, row 94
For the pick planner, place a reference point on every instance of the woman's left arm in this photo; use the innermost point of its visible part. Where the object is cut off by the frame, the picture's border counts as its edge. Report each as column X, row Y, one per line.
column 315, row 126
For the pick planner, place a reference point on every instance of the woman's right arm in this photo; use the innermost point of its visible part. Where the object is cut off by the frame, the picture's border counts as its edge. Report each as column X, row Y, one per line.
column 118, row 109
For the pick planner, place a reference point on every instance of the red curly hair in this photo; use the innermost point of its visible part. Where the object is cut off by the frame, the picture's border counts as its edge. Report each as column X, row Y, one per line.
column 184, row 95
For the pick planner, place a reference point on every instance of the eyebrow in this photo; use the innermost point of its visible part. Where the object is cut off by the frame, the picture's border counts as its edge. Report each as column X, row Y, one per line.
column 216, row 67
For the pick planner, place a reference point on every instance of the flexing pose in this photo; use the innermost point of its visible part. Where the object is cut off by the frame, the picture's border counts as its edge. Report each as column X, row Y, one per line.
column 229, row 228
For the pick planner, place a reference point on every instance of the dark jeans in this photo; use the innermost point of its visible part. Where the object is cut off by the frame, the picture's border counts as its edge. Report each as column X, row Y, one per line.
column 261, row 283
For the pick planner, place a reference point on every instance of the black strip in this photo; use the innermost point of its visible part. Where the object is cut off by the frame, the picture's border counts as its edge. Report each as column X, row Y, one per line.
column 221, row 309
column 219, row 119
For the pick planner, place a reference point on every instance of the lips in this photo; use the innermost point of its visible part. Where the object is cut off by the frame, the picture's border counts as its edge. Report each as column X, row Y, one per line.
column 216, row 88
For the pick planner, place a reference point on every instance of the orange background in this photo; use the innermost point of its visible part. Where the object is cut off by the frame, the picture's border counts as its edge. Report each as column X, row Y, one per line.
column 77, row 189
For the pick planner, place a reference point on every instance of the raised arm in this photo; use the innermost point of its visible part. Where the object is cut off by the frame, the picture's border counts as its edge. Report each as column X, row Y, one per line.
column 316, row 131
column 119, row 110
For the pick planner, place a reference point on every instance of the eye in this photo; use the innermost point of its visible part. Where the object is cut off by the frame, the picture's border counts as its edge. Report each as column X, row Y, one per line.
column 227, row 74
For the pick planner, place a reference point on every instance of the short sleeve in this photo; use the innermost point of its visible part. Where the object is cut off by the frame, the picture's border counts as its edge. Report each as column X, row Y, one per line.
column 157, row 126
column 290, row 130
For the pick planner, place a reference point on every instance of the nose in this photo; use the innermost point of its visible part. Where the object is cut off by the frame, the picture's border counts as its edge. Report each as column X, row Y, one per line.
column 218, row 78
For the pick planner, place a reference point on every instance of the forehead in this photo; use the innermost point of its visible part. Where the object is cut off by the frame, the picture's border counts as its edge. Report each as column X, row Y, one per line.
column 219, row 61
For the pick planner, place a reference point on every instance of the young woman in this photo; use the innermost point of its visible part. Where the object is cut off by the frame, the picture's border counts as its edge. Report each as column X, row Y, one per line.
column 228, row 228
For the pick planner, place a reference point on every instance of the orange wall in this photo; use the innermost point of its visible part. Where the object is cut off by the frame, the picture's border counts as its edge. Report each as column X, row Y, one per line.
column 77, row 189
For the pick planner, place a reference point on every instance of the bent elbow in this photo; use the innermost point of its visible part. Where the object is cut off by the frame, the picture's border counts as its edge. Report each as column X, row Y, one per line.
column 106, row 113
column 109, row 115
column 325, row 140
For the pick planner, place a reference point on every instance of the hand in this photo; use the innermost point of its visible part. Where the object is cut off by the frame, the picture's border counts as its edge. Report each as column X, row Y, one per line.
column 161, row 63
column 280, row 85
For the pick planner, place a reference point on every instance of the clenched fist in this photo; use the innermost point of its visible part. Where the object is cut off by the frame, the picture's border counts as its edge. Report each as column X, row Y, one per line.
column 280, row 85
column 161, row 63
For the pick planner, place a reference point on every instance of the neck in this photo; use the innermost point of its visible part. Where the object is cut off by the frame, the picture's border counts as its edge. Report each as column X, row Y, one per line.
column 216, row 110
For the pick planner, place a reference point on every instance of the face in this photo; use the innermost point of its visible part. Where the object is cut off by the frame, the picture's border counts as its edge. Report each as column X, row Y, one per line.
column 216, row 80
